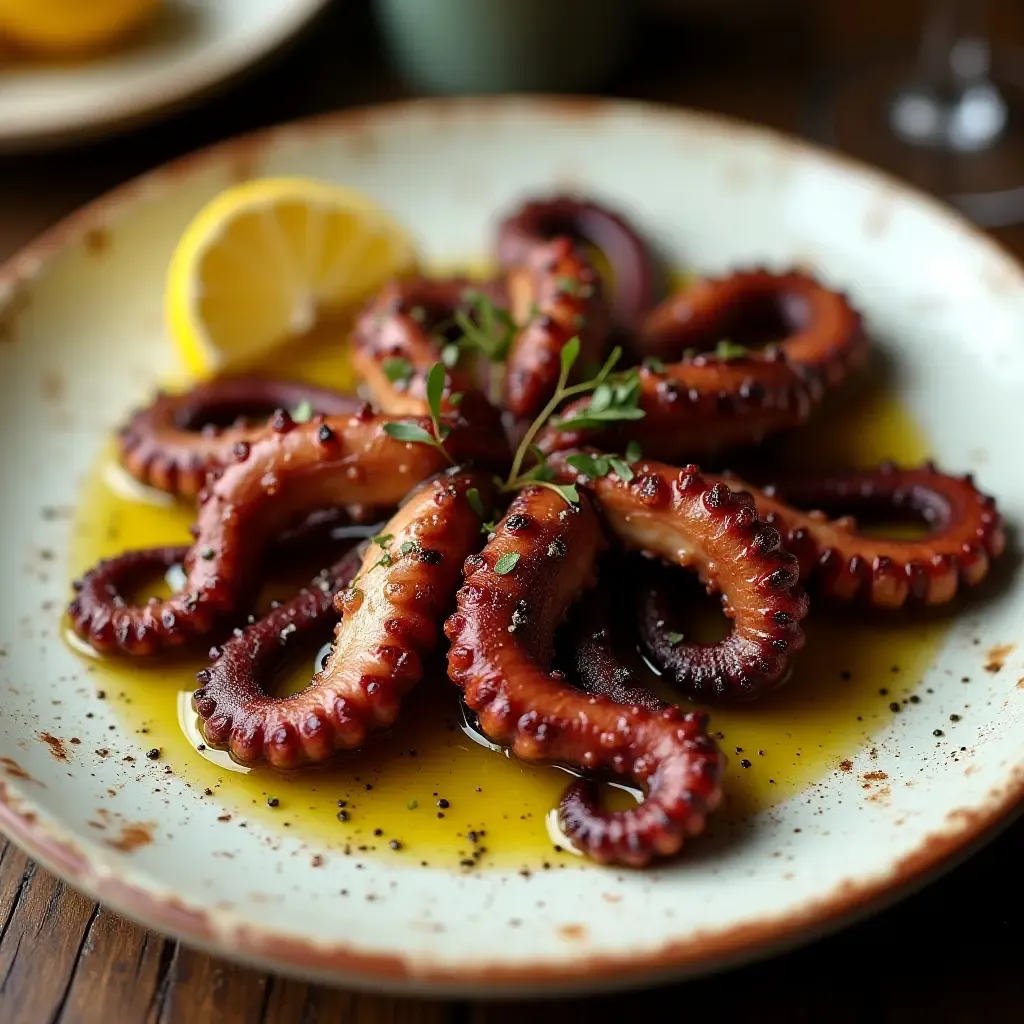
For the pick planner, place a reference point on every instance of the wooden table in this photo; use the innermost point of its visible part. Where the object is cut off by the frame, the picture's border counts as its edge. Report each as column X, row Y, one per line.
column 951, row 953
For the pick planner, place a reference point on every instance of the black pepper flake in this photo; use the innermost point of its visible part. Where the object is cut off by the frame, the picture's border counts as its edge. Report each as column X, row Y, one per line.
column 443, row 804
column 883, row 692
column 101, row 694
column 378, row 831
column 395, row 844
column 895, row 706
column 914, row 699
column 325, row 434
column 342, row 803
column 845, row 675
column 342, row 815
column 153, row 754
column 938, row 732
column 440, row 814
column 954, row 718
column 369, row 786
column 745, row 763
column 272, row 801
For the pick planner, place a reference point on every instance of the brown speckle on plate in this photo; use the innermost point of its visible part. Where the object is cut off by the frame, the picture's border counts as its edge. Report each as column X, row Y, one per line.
column 56, row 746
column 995, row 659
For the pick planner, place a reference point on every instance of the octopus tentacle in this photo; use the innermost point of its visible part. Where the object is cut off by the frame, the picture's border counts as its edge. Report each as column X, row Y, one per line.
column 502, row 642
column 598, row 666
column 390, row 615
column 556, row 295
column 966, row 532
column 177, row 440
column 400, row 329
column 100, row 614
column 686, row 519
column 285, row 474
column 709, row 402
column 635, row 278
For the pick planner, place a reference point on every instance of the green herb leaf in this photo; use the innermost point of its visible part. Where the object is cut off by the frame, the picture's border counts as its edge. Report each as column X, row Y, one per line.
column 303, row 412
column 450, row 355
column 634, row 452
column 569, row 354
column 412, row 805
column 506, row 563
column 727, row 350
column 602, row 398
column 591, row 465
column 418, row 313
column 397, row 370
column 654, row 364
column 674, row 638
column 622, row 469
column 435, row 391
column 383, row 539
column 476, row 503
column 569, row 285
column 411, row 432
column 408, row 546
column 567, row 492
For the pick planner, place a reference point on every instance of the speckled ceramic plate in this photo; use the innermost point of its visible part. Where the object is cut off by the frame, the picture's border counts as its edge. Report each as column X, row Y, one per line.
column 81, row 340
column 191, row 47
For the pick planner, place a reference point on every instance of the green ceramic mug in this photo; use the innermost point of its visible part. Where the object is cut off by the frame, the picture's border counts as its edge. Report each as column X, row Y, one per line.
column 456, row 46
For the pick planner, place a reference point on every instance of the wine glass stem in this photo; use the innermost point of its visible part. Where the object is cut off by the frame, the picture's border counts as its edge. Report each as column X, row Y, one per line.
column 949, row 25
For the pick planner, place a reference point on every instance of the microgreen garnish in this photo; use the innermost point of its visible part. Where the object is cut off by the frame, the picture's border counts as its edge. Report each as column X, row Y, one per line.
column 383, row 539
column 413, row 432
column 504, row 565
column 303, row 412
column 601, row 465
column 398, row 370
column 485, row 327
column 654, row 364
column 674, row 638
column 407, row 547
column 727, row 350
column 476, row 502
column 633, row 452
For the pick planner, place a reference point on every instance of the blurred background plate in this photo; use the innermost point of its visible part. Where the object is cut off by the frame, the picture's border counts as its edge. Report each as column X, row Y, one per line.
column 190, row 47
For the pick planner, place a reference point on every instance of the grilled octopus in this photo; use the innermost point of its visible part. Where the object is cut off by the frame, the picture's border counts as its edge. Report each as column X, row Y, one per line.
column 727, row 362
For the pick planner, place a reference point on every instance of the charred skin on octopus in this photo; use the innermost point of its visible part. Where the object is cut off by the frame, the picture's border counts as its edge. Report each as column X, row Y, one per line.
column 430, row 449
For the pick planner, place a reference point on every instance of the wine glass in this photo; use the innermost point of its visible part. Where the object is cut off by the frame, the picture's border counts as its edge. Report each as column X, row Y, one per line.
column 951, row 123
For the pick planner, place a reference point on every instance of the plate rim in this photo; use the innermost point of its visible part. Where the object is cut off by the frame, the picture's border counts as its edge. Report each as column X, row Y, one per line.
column 169, row 93
column 47, row 841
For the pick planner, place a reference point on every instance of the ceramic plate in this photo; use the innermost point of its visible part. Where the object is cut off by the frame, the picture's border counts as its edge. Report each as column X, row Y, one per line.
column 191, row 47
column 82, row 342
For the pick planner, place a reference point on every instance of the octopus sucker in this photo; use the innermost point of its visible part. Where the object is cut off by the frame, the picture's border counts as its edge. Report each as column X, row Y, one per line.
column 175, row 442
column 502, row 642
column 391, row 605
column 685, row 519
column 282, row 479
column 966, row 532
column 635, row 277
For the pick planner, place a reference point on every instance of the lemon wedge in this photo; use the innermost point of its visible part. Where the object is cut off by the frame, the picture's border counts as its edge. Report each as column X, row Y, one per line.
column 266, row 260
column 59, row 27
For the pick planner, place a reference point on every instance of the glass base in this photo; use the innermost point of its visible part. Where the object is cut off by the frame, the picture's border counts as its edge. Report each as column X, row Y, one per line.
column 970, row 153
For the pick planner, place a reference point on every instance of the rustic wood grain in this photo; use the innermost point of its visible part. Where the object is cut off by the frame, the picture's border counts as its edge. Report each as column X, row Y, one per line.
column 950, row 955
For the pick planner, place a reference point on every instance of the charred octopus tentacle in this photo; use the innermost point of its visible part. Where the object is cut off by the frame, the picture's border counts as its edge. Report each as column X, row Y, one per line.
column 502, row 636
column 391, row 609
column 286, row 473
column 177, row 440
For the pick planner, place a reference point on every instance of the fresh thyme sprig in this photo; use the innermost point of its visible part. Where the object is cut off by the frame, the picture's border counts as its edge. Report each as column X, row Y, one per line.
column 486, row 328
column 413, row 432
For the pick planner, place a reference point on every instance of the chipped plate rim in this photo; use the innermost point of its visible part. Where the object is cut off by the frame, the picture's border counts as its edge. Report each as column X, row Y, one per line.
column 217, row 932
